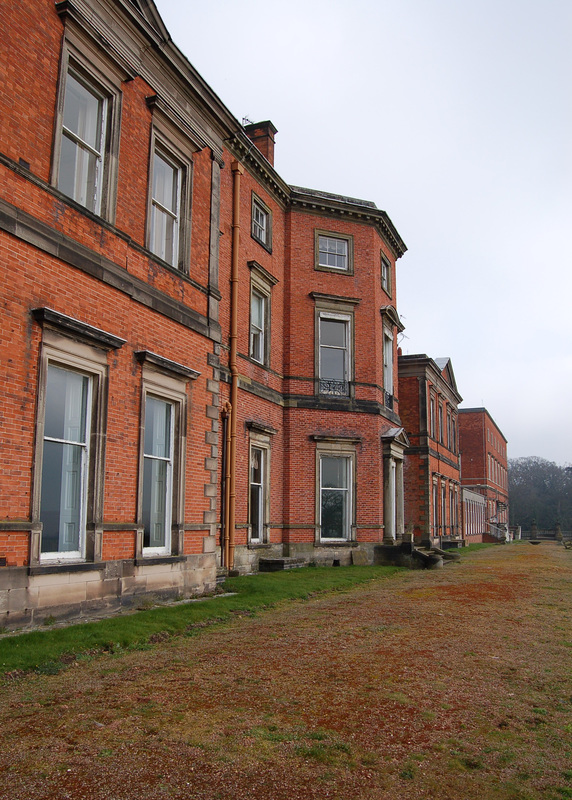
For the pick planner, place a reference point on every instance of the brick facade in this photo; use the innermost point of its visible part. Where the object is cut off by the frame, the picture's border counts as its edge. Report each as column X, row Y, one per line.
column 484, row 457
column 138, row 224
column 429, row 410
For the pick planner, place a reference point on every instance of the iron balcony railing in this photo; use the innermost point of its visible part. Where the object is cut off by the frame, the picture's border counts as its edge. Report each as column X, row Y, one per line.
column 337, row 388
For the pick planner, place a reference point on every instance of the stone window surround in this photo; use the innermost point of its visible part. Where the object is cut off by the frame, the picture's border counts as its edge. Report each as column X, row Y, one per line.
column 260, row 437
column 86, row 352
column 347, row 237
column 336, row 307
column 261, row 281
column 386, row 281
column 86, row 58
column 167, row 381
column 169, row 140
column 340, row 448
column 261, row 206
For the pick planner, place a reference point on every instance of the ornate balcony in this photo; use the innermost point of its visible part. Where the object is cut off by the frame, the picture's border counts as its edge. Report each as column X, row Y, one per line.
column 336, row 388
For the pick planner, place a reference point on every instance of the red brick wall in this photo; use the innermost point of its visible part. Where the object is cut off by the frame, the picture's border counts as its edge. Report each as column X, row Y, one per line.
column 33, row 278
column 481, row 439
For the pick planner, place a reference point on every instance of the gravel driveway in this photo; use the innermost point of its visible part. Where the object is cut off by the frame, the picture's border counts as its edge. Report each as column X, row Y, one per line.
column 453, row 683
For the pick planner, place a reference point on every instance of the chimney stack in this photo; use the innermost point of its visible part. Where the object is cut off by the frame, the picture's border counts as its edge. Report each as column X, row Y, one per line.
column 262, row 134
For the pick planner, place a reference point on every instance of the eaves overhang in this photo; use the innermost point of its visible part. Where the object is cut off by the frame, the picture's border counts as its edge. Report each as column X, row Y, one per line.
column 248, row 153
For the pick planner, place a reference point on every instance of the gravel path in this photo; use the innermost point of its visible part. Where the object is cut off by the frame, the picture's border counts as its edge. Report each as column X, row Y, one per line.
column 453, row 683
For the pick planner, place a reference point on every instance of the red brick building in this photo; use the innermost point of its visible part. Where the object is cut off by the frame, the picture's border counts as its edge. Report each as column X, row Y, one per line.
column 196, row 359
column 484, row 467
column 429, row 411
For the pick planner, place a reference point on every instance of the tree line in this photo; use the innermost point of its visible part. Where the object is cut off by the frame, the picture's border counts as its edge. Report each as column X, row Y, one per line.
column 539, row 491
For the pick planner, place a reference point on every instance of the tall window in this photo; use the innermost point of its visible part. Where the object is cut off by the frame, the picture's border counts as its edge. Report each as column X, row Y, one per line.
column 258, row 326
column 441, row 428
column 335, row 497
column 435, row 509
column 443, row 510
column 385, row 275
column 334, row 354
column 432, row 417
column 257, row 493
column 65, row 463
column 83, row 142
column 388, row 367
column 157, row 475
column 261, row 228
column 165, row 207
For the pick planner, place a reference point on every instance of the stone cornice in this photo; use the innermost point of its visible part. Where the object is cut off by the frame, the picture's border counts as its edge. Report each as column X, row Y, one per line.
column 348, row 208
column 142, row 46
column 165, row 364
column 74, row 327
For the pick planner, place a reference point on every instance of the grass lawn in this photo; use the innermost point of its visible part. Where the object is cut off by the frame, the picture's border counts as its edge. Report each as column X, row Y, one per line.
column 50, row 650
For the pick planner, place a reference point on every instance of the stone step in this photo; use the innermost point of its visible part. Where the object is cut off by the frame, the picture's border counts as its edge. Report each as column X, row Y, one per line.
column 277, row 564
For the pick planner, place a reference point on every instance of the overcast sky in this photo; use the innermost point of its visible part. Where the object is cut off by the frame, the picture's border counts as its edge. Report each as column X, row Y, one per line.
column 455, row 117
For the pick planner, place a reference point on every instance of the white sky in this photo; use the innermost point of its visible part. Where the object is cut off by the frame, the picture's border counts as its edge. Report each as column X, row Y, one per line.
column 455, row 117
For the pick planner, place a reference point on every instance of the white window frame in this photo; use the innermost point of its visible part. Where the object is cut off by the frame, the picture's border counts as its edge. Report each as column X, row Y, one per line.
column 156, row 207
column 323, row 382
column 177, row 151
column 321, row 238
column 261, row 223
column 168, row 460
column 388, row 361
column 255, row 330
column 385, row 275
column 83, row 59
column 336, row 450
column 261, row 283
column 83, row 443
column 59, row 351
column 261, row 444
column 432, row 416
column 171, row 390
column 94, row 188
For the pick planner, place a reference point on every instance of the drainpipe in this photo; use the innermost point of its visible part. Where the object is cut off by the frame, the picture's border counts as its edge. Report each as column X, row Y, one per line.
column 237, row 171
column 226, row 415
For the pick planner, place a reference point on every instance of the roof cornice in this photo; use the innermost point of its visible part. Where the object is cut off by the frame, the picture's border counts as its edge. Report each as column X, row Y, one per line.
column 144, row 48
column 348, row 208
column 249, row 154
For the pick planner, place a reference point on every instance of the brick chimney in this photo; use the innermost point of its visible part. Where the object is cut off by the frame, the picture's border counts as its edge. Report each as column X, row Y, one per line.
column 262, row 134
